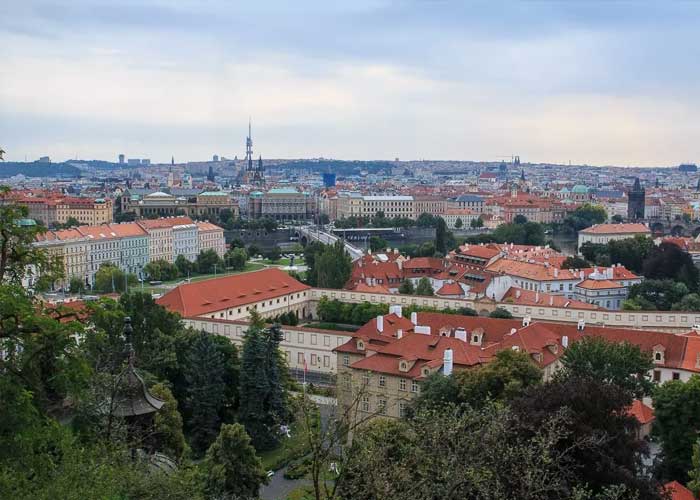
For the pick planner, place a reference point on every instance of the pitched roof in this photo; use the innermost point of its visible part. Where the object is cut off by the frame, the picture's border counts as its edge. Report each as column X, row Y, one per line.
column 630, row 228
column 520, row 296
column 591, row 284
column 164, row 222
column 643, row 413
column 678, row 492
column 452, row 288
column 202, row 297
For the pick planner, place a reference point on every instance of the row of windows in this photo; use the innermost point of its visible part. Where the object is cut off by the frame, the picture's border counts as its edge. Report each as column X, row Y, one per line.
column 382, row 382
column 315, row 359
column 381, row 407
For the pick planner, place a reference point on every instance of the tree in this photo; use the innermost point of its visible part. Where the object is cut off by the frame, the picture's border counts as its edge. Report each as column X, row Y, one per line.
column 477, row 223
column 622, row 364
column 76, row 285
column 110, row 279
column 19, row 257
column 323, row 219
column 407, row 287
column 501, row 313
column 617, row 219
column 458, row 223
column 333, row 266
column 167, row 425
column 206, row 390
column 273, row 254
column 184, row 266
column 424, row 287
column 311, row 252
column 236, row 258
column 377, row 243
column 160, row 270
column 584, row 216
column 694, row 473
column 233, row 470
column 519, row 219
column 426, row 249
column 574, row 262
column 677, row 412
column 208, row 261
column 690, row 302
column 657, row 294
column 263, row 405
column 596, row 413
column 441, row 236
column 426, row 220
column 668, row 261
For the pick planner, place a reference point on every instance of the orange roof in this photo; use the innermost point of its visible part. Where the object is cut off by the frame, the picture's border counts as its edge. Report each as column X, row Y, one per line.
column 207, row 226
column 202, row 297
column 164, row 222
column 364, row 287
column 643, row 413
column 678, row 491
column 479, row 251
column 450, row 289
column 630, row 228
column 524, row 297
column 591, row 284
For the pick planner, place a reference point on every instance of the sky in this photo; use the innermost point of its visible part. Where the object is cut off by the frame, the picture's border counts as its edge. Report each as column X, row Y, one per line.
column 587, row 82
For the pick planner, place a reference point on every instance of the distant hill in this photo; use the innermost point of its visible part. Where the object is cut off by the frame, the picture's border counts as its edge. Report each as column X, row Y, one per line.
column 338, row 167
column 35, row 169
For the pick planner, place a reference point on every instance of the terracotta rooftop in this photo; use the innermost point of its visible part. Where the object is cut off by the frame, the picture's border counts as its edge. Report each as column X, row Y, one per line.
column 203, row 297
column 164, row 222
column 630, row 228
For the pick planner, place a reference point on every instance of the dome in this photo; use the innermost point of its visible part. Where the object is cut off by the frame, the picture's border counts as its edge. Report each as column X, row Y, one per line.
column 158, row 194
column 579, row 189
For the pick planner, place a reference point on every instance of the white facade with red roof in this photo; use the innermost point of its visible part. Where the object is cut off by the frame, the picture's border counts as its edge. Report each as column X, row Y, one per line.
column 603, row 233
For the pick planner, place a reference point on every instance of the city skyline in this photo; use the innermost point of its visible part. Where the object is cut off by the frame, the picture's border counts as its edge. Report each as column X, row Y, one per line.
column 594, row 83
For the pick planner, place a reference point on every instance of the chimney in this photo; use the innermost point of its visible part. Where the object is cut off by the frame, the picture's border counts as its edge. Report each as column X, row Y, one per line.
column 527, row 320
column 395, row 310
column 582, row 275
column 565, row 341
column 399, row 333
column 551, row 300
column 581, row 325
column 556, row 272
column 537, row 297
column 461, row 334
column 513, row 331
column 447, row 363
column 380, row 323
column 414, row 318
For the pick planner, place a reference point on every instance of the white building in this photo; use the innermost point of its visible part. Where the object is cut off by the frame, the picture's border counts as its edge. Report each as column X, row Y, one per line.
column 603, row 233
column 186, row 241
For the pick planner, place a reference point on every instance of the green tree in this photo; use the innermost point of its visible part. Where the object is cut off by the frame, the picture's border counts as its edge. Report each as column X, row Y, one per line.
column 477, row 223
column 236, row 258
column 519, row 219
column 184, row 266
column 694, row 473
column 617, row 219
column 657, row 294
column 690, row 302
column 459, row 223
column 160, row 270
column 377, row 243
column 273, row 254
column 424, row 287
column 233, row 470
column 167, row 424
column 426, row 249
column 426, row 220
column 584, row 216
column 206, row 391
column 311, row 253
column 622, row 364
column 263, row 401
column 441, row 237
column 109, row 278
column 677, row 423
column 76, row 285
column 574, row 262
column 407, row 287
column 208, row 261
column 668, row 261
column 501, row 313
column 333, row 266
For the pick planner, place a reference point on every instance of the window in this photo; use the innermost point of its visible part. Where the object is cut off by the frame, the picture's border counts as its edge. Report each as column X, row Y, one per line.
column 382, row 381
column 326, row 340
column 313, row 359
column 402, row 409
column 676, row 376
column 346, row 359
column 300, row 358
column 657, row 376
column 365, row 378
column 326, row 361
column 300, row 338
column 402, row 384
column 381, row 406
column 313, row 339
column 414, row 386
column 365, row 403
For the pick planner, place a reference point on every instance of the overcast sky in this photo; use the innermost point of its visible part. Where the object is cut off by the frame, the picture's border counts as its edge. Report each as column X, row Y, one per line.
column 581, row 81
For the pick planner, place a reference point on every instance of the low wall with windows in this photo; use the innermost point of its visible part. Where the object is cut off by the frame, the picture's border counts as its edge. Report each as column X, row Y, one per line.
column 299, row 344
column 670, row 321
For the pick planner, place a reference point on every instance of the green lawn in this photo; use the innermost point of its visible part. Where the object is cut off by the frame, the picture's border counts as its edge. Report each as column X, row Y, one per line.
column 284, row 261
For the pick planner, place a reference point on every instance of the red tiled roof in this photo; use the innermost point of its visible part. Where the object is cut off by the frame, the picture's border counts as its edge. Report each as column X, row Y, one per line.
column 590, row 284
column 531, row 298
column 164, row 222
column 202, row 297
column 450, row 289
column 643, row 413
column 631, row 228
column 678, row 492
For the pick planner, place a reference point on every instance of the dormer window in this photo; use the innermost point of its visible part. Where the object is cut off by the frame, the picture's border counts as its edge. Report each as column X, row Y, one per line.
column 403, row 366
column 426, row 372
column 658, row 354
column 360, row 345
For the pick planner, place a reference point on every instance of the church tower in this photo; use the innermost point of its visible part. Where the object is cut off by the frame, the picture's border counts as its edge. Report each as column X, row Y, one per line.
column 635, row 201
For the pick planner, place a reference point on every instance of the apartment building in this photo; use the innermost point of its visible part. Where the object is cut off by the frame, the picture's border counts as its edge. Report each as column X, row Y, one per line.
column 603, row 233
column 384, row 363
column 211, row 237
column 71, row 247
column 160, row 233
column 186, row 241
column 433, row 205
column 52, row 207
column 357, row 205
